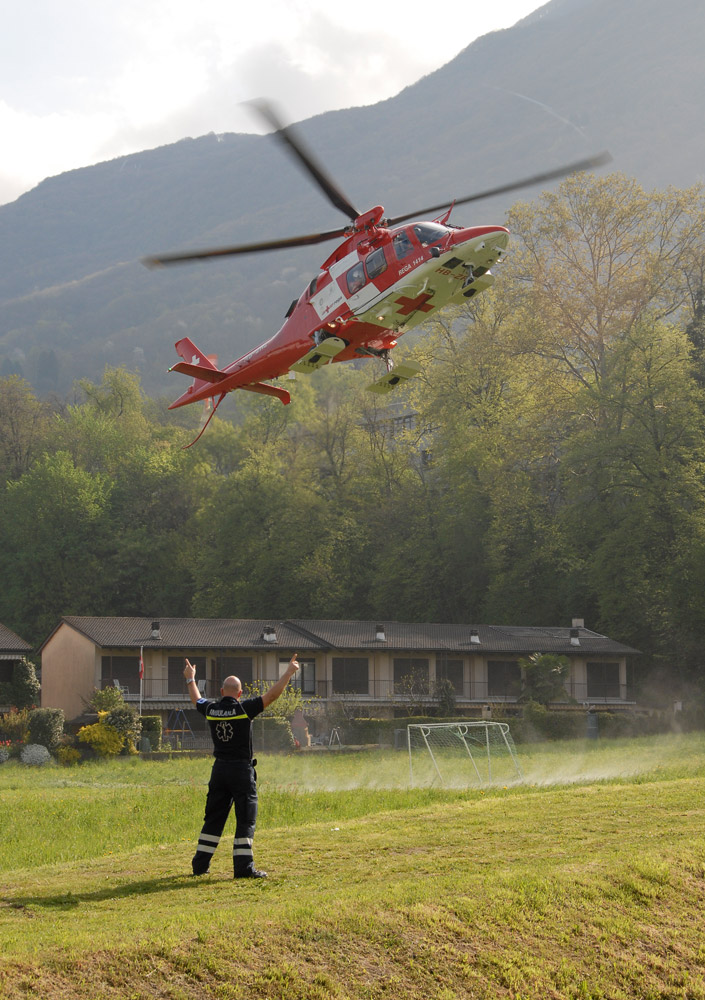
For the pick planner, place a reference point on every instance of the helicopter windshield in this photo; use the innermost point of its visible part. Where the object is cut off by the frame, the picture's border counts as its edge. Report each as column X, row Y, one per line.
column 428, row 233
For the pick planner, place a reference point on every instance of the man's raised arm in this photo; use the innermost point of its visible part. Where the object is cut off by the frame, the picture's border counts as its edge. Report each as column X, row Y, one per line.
column 272, row 693
column 190, row 676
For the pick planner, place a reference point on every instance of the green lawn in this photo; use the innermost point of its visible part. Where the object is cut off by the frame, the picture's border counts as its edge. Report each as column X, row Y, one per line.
column 587, row 879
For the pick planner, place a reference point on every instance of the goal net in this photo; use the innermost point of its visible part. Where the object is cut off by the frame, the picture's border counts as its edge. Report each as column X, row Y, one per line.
column 460, row 753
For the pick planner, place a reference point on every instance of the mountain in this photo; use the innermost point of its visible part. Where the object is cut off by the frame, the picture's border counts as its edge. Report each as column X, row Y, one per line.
column 574, row 77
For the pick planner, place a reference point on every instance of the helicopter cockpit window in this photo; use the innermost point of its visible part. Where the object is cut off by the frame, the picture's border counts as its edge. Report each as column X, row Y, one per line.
column 428, row 233
column 402, row 246
column 312, row 286
column 355, row 278
column 376, row 263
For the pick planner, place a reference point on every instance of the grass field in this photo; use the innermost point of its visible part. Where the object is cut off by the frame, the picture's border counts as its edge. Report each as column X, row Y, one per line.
column 586, row 879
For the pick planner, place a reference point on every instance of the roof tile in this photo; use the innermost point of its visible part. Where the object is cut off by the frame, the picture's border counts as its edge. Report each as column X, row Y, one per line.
column 302, row 635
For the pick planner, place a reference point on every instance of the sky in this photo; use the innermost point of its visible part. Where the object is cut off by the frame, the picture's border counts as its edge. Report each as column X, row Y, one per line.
column 84, row 81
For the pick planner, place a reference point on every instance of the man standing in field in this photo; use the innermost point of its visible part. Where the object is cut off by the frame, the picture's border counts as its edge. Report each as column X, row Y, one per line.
column 233, row 779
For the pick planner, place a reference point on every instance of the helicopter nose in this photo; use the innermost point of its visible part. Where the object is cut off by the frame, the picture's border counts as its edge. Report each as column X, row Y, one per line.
column 481, row 246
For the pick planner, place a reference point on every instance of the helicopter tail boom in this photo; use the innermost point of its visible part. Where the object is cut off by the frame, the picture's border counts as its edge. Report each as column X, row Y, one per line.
column 207, row 376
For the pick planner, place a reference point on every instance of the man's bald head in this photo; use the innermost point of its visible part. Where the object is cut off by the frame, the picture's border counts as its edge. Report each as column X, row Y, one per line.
column 232, row 688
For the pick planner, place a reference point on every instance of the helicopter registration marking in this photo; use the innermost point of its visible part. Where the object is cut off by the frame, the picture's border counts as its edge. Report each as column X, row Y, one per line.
column 408, row 267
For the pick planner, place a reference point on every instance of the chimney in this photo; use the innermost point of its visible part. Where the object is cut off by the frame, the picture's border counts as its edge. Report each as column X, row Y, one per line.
column 578, row 623
column 269, row 634
column 156, row 634
column 474, row 635
column 380, row 636
column 574, row 640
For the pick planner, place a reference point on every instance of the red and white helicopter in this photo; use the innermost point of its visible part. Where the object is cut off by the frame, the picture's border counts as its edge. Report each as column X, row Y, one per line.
column 384, row 278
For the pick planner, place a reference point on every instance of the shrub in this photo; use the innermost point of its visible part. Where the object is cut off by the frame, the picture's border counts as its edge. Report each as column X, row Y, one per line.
column 106, row 700
column 46, row 727
column 125, row 721
column 102, row 739
column 4, row 755
column 68, row 756
column 14, row 726
column 35, row 755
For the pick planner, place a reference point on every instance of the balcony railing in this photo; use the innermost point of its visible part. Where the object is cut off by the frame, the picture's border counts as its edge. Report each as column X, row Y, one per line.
column 157, row 688
column 383, row 691
column 473, row 691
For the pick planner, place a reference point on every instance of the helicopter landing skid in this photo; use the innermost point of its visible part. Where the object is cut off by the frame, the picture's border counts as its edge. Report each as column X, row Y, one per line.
column 400, row 373
column 320, row 355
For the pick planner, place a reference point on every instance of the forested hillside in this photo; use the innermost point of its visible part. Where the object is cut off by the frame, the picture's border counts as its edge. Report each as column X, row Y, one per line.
column 548, row 463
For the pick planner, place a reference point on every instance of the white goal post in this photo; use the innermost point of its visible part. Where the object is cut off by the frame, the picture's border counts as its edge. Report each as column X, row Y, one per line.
column 456, row 753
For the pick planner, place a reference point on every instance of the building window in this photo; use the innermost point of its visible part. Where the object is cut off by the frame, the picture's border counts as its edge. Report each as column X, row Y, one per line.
column 305, row 680
column 503, row 678
column 7, row 669
column 350, row 675
column 603, row 680
column 176, row 683
column 233, row 666
column 410, row 675
column 125, row 670
column 450, row 670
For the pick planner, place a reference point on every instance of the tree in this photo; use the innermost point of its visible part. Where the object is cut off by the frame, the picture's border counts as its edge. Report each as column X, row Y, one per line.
column 53, row 532
column 597, row 255
column 635, row 496
column 544, row 676
column 445, row 695
column 24, row 422
column 23, row 690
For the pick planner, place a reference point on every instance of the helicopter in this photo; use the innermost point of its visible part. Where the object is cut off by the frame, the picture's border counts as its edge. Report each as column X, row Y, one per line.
column 386, row 276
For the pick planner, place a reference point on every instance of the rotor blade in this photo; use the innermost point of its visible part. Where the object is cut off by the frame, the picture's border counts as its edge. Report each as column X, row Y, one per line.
column 548, row 175
column 294, row 144
column 183, row 256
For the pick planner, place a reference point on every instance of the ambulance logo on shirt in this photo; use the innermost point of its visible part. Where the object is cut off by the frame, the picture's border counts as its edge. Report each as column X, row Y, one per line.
column 224, row 731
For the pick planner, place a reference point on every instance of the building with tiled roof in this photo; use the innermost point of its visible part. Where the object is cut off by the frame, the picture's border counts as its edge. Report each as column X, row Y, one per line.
column 374, row 666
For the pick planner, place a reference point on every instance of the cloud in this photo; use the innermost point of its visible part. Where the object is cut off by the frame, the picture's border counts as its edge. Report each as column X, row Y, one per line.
column 324, row 66
column 101, row 80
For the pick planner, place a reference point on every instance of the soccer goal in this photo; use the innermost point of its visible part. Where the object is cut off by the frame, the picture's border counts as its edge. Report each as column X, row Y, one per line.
column 458, row 753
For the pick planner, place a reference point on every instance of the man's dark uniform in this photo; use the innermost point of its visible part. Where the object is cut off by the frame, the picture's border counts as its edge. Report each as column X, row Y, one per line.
column 233, row 782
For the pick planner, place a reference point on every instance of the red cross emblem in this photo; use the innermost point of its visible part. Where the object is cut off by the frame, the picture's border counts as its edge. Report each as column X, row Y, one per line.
column 420, row 304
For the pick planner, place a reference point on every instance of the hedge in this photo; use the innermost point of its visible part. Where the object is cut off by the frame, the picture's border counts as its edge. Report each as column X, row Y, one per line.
column 152, row 729
column 532, row 723
column 358, row 732
column 272, row 733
